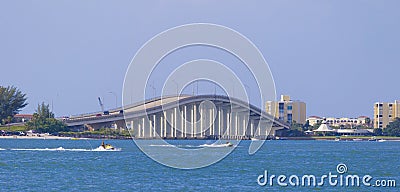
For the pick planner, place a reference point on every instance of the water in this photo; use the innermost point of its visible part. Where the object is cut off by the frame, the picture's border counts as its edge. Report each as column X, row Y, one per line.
column 37, row 165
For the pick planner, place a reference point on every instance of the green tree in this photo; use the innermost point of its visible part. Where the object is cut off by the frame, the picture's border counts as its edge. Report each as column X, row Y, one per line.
column 368, row 121
column 378, row 131
column 12, row 100
column 43, row 121
column 393, row 129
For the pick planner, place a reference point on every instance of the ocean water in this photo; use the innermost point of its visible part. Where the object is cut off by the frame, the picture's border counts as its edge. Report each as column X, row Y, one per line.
column 74, row 165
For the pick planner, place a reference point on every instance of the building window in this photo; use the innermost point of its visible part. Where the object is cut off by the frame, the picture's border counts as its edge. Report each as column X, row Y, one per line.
column 289, row 107
column 289, row 117
column 281, row 106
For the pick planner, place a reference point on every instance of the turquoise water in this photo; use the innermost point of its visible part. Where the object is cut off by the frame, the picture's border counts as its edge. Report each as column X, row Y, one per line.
column 26, row 165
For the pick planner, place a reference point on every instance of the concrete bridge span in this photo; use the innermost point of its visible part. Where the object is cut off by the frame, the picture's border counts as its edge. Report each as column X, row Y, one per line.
column 190, row 117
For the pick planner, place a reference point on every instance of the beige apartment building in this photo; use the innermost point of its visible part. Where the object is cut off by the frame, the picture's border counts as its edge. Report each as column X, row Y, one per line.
column 384, row 113
column 287, row 110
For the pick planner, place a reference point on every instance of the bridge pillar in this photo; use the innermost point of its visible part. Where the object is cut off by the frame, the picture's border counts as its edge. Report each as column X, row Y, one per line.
column 251, row 128
column 172, row 122
column 213, row 121
column 165, row 124
column 236, row 124
column 244, row 126
column 195, row 120
column 201, row 121
column 161, row 126
column 219, row 122
column 185, row 119
column 175, row 123
column 192, row 121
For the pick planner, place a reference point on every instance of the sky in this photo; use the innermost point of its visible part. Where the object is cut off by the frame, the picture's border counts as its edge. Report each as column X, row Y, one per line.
column 338, row 56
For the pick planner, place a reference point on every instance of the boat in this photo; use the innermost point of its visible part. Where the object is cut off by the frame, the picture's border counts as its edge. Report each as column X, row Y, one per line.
column 227, row 144
column 107, row 146
column 254, row 139
column 372, row 139
column 381, row 140
column 357, row 139
column 337, row 139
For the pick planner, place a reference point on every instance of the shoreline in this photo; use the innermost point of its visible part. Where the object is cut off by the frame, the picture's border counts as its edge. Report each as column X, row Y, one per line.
column 37, row 137
column 50, row 137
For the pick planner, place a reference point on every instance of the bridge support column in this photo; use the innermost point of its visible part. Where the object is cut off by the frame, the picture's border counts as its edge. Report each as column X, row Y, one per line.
column 154, row 126
column 175, row 127
column 244, row 126
column 219, row 122
column 210, row 126
column 192, row 124
column 165, row 124
column 161, row 126
column 185, row 119
column 236, row 125
column 251, row 128
column 172, row 122
column 139, row 130
column 213, row 121
column 131, row 128
column 201, row 121
column 228, row 124
column 143, row 128
column 195, row 120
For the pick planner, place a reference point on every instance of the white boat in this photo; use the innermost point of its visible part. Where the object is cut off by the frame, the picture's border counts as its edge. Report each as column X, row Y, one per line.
column 357, row 139
column 227, row 144
column 372, row 139
column 337, row 139
column 254, row 139
column 381, row 140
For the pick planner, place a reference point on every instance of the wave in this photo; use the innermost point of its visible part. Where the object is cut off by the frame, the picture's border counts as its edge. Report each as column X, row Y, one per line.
column 153, row 145
column 63, row 149
column 193, row 146
column 215, row 145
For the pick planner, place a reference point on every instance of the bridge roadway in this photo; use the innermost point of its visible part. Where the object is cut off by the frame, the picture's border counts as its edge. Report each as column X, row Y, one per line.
column 202, row 116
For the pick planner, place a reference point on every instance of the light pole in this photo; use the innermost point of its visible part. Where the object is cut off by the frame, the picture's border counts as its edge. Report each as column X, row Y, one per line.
column 116, row 98
column 248, row 95
column 154, row 90
column 176, row 87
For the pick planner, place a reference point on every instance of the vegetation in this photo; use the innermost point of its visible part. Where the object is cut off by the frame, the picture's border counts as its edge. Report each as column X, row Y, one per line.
column 393, row 129
column 43, row 121
column 14, row 128
column 378, row 131
column 102, row 133
column 12, row 100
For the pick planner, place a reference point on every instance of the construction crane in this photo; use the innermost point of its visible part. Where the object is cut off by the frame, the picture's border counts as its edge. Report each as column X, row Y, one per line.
column 101, row 104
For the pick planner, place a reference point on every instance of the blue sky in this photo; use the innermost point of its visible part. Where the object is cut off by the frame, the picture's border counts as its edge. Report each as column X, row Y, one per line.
column 339, row 56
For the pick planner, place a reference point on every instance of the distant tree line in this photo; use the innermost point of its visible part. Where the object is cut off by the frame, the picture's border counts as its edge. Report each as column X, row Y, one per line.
column 393, row 129
column 12, row 100
column 43, row 121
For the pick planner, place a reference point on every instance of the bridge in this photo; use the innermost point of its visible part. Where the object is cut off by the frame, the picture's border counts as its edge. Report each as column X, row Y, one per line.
column 185, row 117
